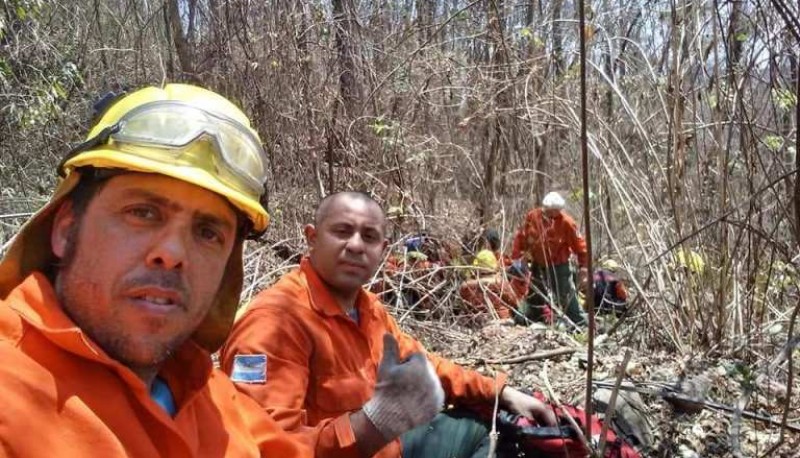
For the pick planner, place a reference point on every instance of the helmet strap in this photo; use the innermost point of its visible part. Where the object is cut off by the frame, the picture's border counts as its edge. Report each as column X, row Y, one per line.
column 99, row 139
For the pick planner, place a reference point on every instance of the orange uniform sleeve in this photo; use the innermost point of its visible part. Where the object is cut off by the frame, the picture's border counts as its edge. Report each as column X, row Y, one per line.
column 272, row 440
column 622, row 292
column 287, row 347
column 461, row 386
column 576, row 242
column 517, row 245
column 507, row 293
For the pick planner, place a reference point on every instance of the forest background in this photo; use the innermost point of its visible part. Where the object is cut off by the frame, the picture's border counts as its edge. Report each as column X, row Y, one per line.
column 460, row 115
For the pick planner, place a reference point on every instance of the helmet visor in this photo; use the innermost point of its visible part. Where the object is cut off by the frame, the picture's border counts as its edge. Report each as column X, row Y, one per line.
column 167, row 131
column 167, row 128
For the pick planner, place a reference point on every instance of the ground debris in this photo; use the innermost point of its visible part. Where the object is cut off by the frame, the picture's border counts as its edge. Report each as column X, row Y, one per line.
column 704, row 433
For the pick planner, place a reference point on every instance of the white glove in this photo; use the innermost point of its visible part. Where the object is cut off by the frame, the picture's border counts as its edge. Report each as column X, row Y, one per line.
column 407, row 394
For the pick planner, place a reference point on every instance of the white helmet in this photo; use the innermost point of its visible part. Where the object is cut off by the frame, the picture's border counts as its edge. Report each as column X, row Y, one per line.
column 553, row 201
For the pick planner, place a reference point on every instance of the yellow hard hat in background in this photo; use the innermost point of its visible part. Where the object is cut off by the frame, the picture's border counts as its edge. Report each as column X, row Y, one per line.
column 609, row 264
column 485, row 259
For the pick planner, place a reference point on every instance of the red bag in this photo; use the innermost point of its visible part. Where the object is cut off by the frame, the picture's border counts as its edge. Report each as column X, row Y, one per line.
column 563, row 441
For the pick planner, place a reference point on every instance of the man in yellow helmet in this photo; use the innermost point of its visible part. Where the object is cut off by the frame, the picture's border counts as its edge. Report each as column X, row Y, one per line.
column 113, row 294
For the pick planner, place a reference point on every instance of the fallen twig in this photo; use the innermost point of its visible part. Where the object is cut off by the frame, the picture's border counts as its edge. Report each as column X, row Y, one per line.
column 671, row 396
column 612, row 403
column 534, row 357
column 552, row 396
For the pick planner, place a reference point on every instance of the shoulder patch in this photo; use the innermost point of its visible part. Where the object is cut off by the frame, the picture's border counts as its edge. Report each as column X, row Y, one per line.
column 249, row 369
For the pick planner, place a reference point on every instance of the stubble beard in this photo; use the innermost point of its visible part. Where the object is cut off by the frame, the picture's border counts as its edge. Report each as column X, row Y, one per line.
column 73, row 292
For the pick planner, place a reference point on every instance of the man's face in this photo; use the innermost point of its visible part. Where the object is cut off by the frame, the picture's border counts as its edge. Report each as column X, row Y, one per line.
column 143, row 265
column 347, row 245
column 552, row 213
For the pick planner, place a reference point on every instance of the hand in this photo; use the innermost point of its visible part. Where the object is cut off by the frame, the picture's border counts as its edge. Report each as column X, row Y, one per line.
column 583, row 278
column 520, row 403
column 407, row 394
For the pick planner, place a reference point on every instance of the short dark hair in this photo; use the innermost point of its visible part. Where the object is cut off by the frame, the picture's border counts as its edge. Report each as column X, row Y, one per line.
column 88, row 187
column 492, row 238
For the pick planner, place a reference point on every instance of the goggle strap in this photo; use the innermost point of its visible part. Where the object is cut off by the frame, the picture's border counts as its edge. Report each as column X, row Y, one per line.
column 102, row 106
column 99, row 139
column 264, row 201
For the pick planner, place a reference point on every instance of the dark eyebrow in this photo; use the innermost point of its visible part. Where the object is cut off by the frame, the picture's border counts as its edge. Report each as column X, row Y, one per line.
column 173, row 205
column 215, row 221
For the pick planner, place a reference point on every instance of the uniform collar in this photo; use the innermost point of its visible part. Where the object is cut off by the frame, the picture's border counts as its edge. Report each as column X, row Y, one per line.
column 322, row 300
column 35, row 301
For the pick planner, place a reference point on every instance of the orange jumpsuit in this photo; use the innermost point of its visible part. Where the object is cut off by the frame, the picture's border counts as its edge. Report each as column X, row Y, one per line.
column 63, row 396
column 549, row 241
column 321, row 365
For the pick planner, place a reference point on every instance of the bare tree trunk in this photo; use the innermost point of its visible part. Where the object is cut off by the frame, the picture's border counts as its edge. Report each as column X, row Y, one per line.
column 348, row 84
column 305, row 81
column 558, row 51
column 182, row 46
column 496, row 132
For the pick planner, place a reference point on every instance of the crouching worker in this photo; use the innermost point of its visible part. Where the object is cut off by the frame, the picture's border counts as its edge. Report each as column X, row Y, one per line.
column 114, row 293
column 330, row 364
column 610, row 294
column 490, row 287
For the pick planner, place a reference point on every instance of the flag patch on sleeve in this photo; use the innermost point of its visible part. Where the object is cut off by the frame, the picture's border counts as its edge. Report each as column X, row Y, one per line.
column 249, row 369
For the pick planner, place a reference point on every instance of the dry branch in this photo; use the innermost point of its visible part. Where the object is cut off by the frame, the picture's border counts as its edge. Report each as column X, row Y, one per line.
column 550, row 354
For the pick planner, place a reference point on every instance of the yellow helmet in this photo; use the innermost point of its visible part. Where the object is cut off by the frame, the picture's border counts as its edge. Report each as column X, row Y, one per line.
column 485, row 259
column 609, row 264
column 210, row 144
column 185, row 132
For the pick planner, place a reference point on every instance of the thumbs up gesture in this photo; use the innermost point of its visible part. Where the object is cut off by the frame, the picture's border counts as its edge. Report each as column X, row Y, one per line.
column 407, row 394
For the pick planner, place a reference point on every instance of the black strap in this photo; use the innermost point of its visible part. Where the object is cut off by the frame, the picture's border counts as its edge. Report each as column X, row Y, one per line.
column 97, row 140
column 548, row 432
column 563, row 431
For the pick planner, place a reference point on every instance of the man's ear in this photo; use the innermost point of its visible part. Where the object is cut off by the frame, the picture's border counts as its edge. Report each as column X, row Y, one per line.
column 63, row 222
column 385, row 244
column 311, row 235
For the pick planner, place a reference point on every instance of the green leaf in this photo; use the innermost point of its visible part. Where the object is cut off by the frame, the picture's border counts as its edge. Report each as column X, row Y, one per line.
column 741, row 36
column 59, row 91
column 380, row 126
column 784, row 98
column 525, row 32
column 773, row 142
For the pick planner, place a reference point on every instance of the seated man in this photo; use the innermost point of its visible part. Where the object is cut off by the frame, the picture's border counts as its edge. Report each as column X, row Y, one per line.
column 114, row 293
column 325, row 358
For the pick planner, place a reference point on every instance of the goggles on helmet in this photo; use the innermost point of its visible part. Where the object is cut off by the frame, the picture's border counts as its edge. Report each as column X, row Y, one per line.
column 165, row 130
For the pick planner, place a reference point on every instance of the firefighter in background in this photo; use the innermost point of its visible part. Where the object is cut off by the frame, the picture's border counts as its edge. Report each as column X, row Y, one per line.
column 533, row 304
column 489, row 286
column 546, row 240
column 610, row 294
